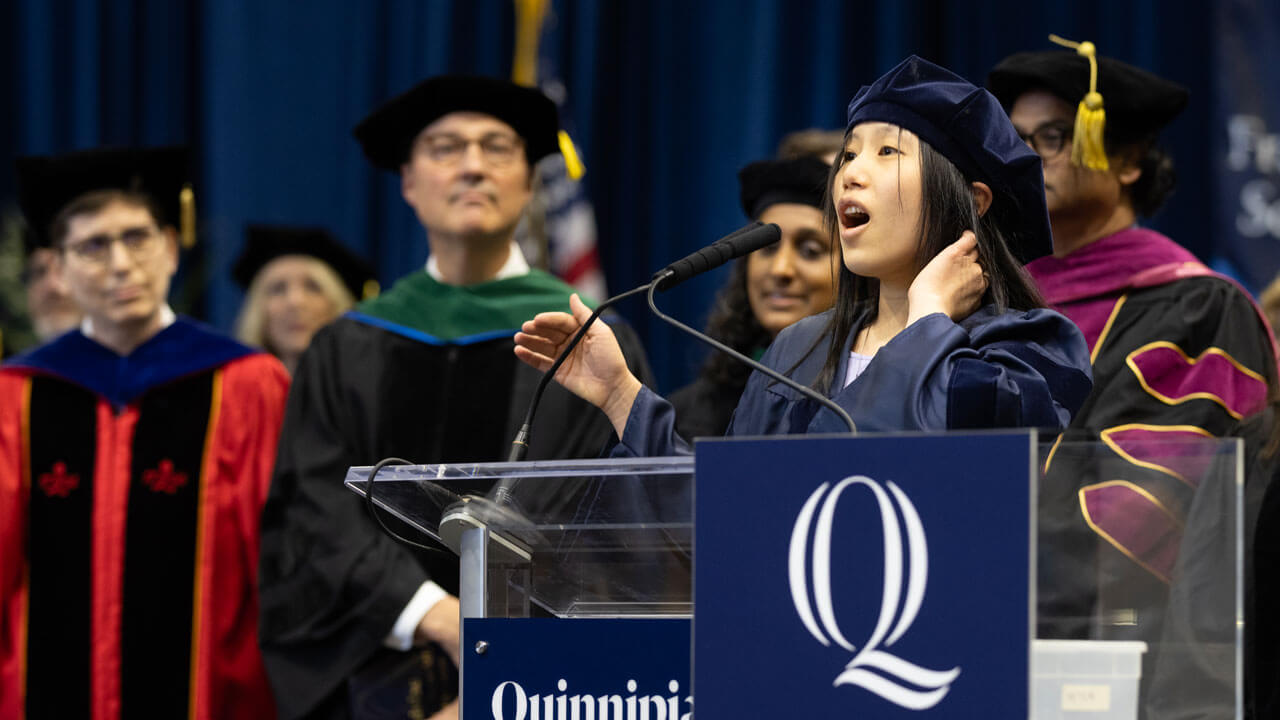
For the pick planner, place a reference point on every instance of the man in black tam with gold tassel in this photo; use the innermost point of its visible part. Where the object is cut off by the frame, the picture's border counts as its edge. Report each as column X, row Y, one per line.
column 424, row 372
column 1179, row 354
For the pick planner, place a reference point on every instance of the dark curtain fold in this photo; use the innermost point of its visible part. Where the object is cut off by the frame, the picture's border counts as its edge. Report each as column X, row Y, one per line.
column 669, row 98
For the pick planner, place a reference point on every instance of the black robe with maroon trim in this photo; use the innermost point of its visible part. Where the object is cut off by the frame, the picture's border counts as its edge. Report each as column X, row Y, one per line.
column 332, row 584
column 1179, row 354
column 129, row 494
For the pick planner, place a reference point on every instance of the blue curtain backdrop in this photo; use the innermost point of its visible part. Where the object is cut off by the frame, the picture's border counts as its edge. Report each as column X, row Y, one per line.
column 669, row 99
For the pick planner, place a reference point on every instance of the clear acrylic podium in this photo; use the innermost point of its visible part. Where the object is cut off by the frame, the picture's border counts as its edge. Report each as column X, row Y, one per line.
column 571, row 538
column 613, row 539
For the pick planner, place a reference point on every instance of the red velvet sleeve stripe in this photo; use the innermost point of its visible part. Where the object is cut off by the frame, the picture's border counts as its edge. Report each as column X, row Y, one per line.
column 111, row 479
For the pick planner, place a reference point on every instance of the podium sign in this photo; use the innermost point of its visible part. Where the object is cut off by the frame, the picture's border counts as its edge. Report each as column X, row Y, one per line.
column 876, row 577
column 577, row 669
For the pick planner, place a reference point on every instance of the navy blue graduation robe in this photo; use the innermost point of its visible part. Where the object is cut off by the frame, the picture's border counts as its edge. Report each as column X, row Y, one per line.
column 991, row 370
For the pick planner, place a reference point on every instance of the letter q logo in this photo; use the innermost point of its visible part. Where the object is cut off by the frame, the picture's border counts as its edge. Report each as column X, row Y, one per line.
column 888, row 676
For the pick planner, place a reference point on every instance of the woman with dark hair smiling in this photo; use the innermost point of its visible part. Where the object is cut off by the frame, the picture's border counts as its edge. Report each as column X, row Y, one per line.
column 936, row 203
column 767, row 290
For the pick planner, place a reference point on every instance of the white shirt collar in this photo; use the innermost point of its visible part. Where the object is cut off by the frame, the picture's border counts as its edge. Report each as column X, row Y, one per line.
column 166, row 319
column 515, row 266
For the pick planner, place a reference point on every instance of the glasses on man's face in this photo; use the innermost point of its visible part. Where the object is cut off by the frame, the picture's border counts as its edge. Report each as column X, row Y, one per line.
column 1049, row 139
column 96, row 250
column 496, row 149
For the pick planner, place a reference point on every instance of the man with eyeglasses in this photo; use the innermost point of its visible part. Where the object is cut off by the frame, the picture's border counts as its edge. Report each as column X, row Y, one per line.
column 351, row 620
column 1178, row 352
column 135, row 456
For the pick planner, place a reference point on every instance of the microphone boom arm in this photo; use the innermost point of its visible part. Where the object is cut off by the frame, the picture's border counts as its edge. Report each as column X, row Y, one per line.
column 806, row 391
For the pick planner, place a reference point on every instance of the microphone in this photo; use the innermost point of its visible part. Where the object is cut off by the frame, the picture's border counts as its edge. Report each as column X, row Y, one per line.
column 740, row 242
column 753, row 364
column 743, row 241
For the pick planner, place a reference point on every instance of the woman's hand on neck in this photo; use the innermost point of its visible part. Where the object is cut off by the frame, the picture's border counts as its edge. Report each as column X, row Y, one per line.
column 952, row 283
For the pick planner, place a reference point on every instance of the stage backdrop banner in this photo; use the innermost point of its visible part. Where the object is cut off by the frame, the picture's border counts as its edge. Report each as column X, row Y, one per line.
column 885, row 577
column 1246, row 138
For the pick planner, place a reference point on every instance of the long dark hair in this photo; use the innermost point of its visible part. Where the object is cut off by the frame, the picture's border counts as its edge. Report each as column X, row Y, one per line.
column 947, row 210
column 733, row 323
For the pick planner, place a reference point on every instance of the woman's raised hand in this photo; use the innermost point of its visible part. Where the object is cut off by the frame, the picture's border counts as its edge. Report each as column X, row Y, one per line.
column 952, row 283
column 596, row 371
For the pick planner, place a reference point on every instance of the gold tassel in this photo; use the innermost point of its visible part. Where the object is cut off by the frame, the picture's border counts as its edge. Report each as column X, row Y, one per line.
column 187, row 203
column 1088, row 148
column 370, row 290
column 572, row 163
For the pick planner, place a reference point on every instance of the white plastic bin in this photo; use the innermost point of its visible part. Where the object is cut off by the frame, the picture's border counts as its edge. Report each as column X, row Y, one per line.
column 1085, row 679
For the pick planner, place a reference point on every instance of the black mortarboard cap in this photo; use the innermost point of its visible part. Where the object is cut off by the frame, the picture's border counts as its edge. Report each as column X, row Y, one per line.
column 1138, row 103
column 264, row 243
column 48, row 183
column 968, row 126
column 800, row 180
column 387, row 134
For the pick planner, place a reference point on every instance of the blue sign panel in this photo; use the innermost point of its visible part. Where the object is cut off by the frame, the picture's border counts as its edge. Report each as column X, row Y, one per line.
column 863, row 577
column 1244, row 137
column 554, row 669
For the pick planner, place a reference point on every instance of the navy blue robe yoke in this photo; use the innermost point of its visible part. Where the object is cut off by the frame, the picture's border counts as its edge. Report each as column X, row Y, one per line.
column 991, row 370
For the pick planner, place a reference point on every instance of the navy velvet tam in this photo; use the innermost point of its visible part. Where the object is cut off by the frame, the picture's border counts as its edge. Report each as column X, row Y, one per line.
column 801, row 181
column 387, row 134
column 264, row 243
column 48, row 183
column 968, row 126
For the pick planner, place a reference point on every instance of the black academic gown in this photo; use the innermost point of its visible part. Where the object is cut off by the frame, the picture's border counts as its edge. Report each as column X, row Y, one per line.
column 1179, row 353
column 332, row 583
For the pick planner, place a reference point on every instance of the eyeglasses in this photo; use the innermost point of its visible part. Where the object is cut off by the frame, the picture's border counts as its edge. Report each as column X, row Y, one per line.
column 1048, row 140
column 497, row 150
column 96, row 250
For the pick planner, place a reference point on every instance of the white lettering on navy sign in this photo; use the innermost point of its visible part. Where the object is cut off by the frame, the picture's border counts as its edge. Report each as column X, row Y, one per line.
column 891, row 671
column 562, row 706
column 1253, row 150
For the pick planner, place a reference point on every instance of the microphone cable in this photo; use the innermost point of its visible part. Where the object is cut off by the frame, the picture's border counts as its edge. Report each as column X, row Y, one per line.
column 373, row 509
column 520, row 446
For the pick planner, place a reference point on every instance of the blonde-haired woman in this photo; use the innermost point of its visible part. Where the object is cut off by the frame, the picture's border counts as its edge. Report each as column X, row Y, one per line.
column 298, row 280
